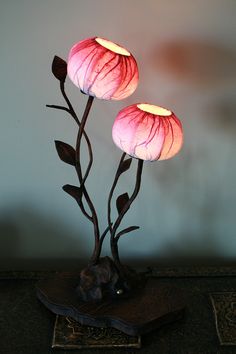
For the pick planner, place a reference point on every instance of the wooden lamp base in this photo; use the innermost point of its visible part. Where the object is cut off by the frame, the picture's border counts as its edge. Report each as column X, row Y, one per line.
column 148, row 309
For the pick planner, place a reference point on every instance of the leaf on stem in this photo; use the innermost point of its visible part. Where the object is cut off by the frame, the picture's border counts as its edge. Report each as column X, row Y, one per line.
column 127, row 230
column 59, row 68
column 121, row 201
column 125, row 165
column 66, row 152
column 74, row 192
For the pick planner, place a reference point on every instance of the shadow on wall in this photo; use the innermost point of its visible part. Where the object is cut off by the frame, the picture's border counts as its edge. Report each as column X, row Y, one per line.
column 201, row 183
column 15, row 238
column 24, row 234
column 203, row 69
column 222, row 116
column 197, row 63
column 207, row 69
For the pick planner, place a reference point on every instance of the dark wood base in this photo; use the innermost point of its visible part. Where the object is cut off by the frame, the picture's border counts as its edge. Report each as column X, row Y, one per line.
column 147, row 309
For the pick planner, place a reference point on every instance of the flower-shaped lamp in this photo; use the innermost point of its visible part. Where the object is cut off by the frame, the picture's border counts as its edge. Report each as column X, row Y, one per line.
column 106, row 292
column 102, row 69
column 148, row 132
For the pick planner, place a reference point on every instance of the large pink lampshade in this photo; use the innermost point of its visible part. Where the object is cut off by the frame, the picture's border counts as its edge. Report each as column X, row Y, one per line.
column 102, row 69
column 148, row 132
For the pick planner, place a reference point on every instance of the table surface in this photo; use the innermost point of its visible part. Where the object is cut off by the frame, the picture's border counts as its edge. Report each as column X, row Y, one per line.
column 26, row 326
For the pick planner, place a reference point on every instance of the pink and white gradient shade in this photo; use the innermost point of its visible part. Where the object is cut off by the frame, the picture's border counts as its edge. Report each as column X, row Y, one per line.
column 102, row 69
column 148, row 132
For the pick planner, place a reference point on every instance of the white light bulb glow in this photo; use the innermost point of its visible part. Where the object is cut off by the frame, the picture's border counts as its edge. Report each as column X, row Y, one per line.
column 112, row 46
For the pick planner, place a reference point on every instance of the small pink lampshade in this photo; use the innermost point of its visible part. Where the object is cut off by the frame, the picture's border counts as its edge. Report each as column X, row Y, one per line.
column 148, row 132
column 102, row 69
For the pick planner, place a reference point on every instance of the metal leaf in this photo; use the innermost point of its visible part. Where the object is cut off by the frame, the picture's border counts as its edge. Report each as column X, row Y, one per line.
column 125, row 165
column 73, row 191
column 66, row 152
column 121, row 201
column 59, row 68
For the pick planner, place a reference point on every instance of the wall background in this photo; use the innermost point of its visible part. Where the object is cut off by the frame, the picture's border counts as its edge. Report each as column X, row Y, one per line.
column 186, row 54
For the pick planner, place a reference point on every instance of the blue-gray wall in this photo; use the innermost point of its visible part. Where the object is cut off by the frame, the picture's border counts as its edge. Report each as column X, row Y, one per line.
column 186, row 55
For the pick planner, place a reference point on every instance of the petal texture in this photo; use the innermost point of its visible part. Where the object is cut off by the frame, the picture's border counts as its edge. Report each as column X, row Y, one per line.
column 148, row 132
column 102, row 69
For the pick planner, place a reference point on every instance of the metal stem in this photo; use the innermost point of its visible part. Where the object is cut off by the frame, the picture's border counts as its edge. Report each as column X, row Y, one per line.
column 117, row 175
column 114, row 240
column 81, row 132
column 82, row 180
column 74, row 116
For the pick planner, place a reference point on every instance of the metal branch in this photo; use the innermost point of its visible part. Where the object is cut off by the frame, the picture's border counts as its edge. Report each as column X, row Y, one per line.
column 114, row 240
column 71, row 111
column 79, row 137
column 117, row 175
column 82, row 180
column 58, row 107
column 74, row 116
column 81, row 132
column 98, row 249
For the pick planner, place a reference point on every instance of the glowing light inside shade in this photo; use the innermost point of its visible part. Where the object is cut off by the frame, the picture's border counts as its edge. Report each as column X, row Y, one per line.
column 112, row 46
column 149, row 108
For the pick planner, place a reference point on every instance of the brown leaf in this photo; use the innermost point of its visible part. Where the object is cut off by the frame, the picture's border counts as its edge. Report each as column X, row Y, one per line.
column 66, row 152
column 73, row 191
column 59, row 68
column 125, row 165
column 121, row 201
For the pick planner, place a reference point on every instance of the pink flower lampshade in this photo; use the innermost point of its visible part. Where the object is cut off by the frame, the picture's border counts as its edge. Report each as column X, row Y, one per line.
column 148, row 132
column 102, row 69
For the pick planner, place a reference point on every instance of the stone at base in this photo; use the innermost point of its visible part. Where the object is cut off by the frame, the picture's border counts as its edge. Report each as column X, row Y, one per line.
column 69, row 334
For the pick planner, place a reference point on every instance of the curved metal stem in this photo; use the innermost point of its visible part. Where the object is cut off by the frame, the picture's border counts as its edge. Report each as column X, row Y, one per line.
column 81, row 179
column 74, row 116
column 114, row 240
column 81, row 132
column 117, row 175
column 97, row 251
